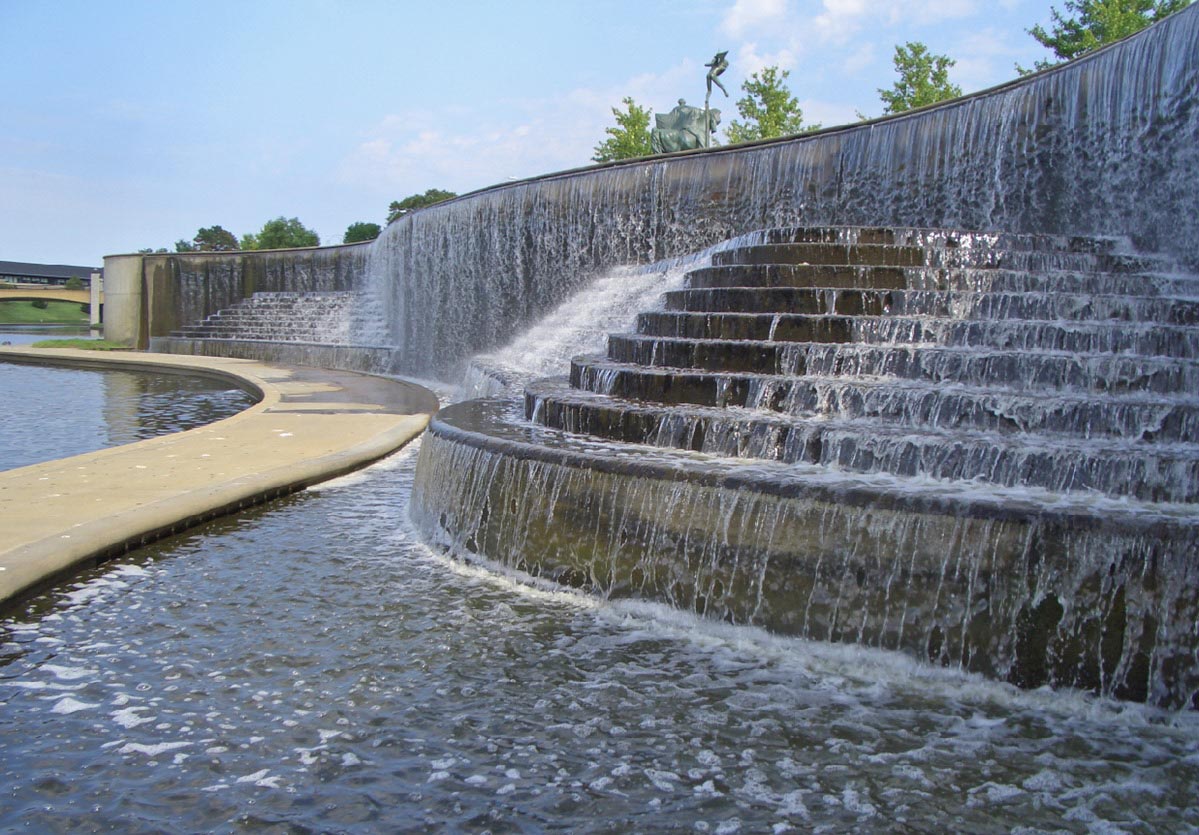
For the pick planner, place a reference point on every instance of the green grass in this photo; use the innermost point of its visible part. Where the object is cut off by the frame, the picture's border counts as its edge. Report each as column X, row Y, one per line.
column 56, row 313
column 83, row 344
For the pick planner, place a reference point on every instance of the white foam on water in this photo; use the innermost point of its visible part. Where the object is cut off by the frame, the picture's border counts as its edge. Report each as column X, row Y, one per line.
column 128, row 717
column 152, row 750
column 130, row 570
column 260, row 778
column 68, row 705
column 69, row 673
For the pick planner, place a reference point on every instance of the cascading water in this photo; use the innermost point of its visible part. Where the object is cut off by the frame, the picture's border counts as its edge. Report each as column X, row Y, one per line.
column 580, row 324
column 1103, row 146
column 1028, row 514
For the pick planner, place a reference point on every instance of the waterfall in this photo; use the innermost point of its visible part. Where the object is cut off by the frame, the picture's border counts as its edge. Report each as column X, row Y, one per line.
column 923, row 388
column 1032, row 600
column 1103, row 145
column 873, row 461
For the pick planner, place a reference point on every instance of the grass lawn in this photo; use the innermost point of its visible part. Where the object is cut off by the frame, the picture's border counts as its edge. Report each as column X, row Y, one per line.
column 84, row 344
column 56, row 313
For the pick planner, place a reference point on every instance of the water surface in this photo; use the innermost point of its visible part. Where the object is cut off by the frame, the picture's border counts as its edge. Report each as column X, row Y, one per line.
column 311, row 666
column 49, row 412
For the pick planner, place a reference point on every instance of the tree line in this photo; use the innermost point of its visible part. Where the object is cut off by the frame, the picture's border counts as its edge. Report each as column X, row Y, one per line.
column 769, row 110
column 289, row 233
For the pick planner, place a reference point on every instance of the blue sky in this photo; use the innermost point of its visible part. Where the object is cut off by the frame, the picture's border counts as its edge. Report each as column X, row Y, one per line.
column 132, row 124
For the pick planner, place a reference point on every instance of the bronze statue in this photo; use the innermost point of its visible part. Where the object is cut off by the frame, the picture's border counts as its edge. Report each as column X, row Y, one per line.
column 683, row 128
column 686, row 127
column 717, row 66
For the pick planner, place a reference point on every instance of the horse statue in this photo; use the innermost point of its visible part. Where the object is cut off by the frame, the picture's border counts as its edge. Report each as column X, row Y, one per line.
column 683, row 128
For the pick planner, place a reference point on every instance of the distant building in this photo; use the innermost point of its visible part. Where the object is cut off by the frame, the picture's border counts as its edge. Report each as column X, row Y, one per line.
column 16, row 272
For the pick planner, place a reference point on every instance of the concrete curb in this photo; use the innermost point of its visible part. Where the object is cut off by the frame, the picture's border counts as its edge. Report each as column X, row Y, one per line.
column 310, row 425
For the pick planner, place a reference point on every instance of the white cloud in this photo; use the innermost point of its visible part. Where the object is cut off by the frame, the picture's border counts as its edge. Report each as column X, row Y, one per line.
column 749, row 60
column 827, row 114
column 984, row 58
column 462, row 149
column 751, row 15
column 859, row 59
column 841, row 19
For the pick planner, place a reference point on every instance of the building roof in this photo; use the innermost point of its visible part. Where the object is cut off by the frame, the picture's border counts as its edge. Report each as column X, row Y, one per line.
column 18, row 268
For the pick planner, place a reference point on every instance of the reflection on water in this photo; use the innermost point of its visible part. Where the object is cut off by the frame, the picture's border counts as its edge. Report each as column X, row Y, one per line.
column 28, row 334
column 50, row 413
column 311, row 666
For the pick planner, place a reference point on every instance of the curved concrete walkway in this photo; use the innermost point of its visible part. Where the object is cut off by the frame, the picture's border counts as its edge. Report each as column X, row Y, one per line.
column 310, row 425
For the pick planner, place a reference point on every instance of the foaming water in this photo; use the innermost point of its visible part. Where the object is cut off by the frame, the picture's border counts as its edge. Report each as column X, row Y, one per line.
column 390, row 686
column 580, row 324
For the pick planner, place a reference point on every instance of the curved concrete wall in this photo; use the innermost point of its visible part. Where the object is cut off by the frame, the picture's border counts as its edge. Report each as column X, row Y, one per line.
column 1107, row 145
column 149, row 295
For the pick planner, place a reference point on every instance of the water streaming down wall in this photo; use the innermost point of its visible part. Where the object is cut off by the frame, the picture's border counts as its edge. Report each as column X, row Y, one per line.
column 1096, row 595
column 995, row 582
column 1024, row 513
column 1105, row 145
column 184, row 288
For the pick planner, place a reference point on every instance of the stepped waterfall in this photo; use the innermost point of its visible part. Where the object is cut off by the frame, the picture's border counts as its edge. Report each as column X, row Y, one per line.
column 870, row 435
column 926, row 383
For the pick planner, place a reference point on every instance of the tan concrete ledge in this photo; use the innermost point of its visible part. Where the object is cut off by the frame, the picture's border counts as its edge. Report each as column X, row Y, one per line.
column 309, row 425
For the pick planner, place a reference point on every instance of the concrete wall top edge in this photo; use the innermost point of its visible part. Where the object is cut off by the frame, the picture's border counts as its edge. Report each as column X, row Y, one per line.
column 226, row 253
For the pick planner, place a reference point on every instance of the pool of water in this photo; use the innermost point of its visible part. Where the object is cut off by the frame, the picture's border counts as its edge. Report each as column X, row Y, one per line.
column 50, row 412
column 28, row 334
column 311, row 666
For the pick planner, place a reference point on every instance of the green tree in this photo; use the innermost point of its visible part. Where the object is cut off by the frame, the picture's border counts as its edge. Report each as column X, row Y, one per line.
column 630, row 137
column 209, row 239
column 215, row 239
column 281, row 233
column 923, row 79
column 74, row 283
column 1093, row 23
column 769, row 109
column 361, row 231
column 417, row 201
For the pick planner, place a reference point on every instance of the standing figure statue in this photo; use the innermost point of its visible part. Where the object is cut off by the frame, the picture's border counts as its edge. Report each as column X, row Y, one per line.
column 717, row 66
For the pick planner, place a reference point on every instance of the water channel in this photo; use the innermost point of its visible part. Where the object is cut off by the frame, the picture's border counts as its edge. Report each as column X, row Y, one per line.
column 312, row 665
column 53, row 413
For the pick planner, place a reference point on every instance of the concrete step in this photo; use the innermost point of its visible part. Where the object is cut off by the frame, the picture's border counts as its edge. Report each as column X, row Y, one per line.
column 979, row 254
column 1143, row 339
column 954, row 305
column 779, row 300
column 1057, row 462
column 1013, row 370
column 948, row 239
column 969, row 279
column 823, row 253
column 914, row 403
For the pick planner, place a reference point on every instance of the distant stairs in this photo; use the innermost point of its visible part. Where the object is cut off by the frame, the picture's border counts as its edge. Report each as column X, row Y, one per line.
column 303, row 328
column 316, row 317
